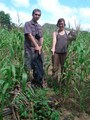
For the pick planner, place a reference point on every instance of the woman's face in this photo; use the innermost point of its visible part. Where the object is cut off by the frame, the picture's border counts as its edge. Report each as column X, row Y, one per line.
column 61, row 25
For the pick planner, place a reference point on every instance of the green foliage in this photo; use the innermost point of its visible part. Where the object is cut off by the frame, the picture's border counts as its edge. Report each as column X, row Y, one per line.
column 4, row 19
column 11, row 68
column 34, row 104
column 49, row 28
column 12, row 73
column 78, row 68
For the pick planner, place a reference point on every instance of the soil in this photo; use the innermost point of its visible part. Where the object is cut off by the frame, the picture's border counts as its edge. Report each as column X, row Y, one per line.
column 67, row 107
column 67, row 111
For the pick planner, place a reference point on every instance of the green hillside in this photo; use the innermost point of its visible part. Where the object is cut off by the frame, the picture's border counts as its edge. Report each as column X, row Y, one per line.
column 49, row 28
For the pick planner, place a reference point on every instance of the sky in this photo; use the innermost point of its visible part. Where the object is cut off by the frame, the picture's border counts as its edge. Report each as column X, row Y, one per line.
column 75, row 12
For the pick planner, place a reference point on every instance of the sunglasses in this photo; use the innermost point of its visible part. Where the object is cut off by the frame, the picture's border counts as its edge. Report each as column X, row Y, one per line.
column 37, row 15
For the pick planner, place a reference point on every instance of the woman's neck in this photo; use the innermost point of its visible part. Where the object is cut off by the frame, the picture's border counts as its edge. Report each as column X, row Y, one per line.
column 61, row 32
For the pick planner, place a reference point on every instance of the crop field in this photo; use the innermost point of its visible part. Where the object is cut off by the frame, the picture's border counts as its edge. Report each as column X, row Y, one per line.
column 51, row 102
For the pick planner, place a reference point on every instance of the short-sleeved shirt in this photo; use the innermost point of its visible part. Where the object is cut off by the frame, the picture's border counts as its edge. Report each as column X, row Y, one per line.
column 33, row 28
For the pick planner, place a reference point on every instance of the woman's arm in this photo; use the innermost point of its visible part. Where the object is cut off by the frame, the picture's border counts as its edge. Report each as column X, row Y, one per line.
column 53, row 43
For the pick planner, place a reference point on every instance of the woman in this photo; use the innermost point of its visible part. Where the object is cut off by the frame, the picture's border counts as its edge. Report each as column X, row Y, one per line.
column 59, row 48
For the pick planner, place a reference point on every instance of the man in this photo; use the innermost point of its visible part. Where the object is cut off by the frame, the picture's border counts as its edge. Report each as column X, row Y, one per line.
column 33, row 48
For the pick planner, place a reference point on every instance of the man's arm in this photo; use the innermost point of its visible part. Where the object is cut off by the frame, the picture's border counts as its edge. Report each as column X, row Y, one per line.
column 33, row 41
column 41, row 41
column 28, row 31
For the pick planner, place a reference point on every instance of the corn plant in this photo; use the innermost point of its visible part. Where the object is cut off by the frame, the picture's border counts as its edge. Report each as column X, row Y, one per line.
column 77, row 66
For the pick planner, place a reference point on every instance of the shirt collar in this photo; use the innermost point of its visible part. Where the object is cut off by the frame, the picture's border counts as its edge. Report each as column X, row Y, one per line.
column 33, row 22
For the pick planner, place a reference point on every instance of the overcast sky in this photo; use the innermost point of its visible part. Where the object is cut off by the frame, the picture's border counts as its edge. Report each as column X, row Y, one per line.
column 75, row 12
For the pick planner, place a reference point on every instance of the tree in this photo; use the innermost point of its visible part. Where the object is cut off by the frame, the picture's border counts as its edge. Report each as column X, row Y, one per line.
column 4, row 19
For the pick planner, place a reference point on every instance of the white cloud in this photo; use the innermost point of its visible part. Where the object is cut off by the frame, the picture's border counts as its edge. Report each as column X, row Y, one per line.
column 85, row 26
column 54, row 7
column 15, row 15
column 58, row 11
column 74, row 16
column 23, row 17
column 49, row 5
column 4, row 8
column 21, row 3
column 19, row 17
column 84, row 12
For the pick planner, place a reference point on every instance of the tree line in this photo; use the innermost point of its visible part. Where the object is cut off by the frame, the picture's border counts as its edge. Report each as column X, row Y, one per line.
column 5, row 20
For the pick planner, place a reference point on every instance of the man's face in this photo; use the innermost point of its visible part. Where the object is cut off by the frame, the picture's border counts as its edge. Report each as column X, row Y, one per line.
column 36, row 15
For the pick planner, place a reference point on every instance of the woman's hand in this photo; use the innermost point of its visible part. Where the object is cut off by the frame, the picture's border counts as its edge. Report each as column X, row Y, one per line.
column 53, row 51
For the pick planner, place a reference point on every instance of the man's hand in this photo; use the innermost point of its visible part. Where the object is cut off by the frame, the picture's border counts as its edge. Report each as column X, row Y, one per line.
column 38, row 48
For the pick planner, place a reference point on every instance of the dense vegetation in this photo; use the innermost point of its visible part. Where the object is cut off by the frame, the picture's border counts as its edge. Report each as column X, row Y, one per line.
column 43, row 104
column 4, row 19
